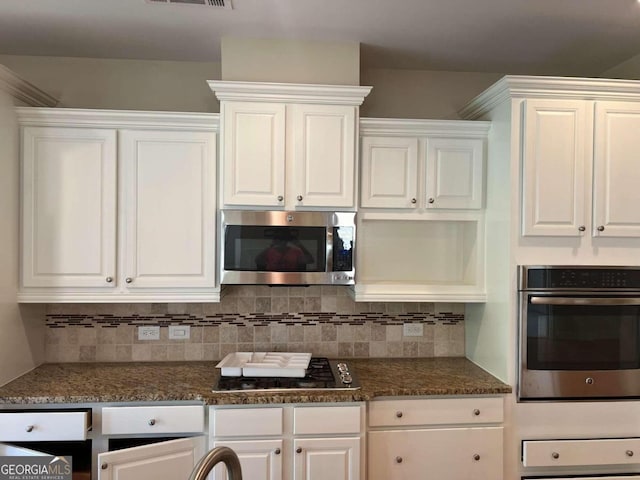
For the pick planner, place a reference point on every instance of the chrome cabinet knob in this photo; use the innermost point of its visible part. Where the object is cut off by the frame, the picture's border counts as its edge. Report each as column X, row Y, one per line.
column 476, row 412
column 128, row 280
column 298, row 450
column 277, row 451
column 629, row 453
column 109, row 279
column 555, row 455
column 152, row 422
column 299, row 197
column 399, row 414
column 29, row 428
column 414, row 201
column 431, row 200
column 398, row 459
column 600, row 228
column 582, row 228
column 476, row 457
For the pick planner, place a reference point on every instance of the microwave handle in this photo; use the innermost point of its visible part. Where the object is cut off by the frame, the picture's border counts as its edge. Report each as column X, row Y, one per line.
column 585, row 300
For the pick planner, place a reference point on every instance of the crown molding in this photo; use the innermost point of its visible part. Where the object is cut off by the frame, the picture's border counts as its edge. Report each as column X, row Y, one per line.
column 289, row 92
column 23, row 90
column 73, row 117
column 515, row 86
column 409, row 127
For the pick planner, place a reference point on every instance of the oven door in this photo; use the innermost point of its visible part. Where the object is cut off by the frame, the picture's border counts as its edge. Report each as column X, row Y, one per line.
column 575, row 346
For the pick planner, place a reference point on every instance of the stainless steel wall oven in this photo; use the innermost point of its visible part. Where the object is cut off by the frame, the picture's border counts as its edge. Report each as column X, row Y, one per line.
column 579, row 331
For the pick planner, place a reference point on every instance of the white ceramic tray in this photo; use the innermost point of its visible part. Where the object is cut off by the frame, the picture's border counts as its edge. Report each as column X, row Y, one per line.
column 264, row 364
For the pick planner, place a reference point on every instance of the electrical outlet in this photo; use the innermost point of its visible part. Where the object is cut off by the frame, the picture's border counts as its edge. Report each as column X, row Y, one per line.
column 413, row 329
column 148, row 333
column 179, row 332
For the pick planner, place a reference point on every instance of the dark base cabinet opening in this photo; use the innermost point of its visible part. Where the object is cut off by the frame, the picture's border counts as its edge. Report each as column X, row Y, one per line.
column 79, row 451
column 122, row 443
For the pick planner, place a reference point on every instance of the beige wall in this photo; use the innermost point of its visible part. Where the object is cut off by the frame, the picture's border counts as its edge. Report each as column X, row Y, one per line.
column 421, row 93
column 121, row 84
column 287, row 61
column 21, row 329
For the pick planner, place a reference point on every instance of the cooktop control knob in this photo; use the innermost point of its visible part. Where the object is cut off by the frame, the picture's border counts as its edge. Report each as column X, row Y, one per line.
column 345, row 374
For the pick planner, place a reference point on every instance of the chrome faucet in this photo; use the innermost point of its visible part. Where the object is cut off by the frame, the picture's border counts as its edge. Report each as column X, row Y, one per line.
column 211, row 459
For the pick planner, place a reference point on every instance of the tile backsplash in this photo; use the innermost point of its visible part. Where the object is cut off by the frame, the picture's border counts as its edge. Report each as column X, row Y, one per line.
column 321, row 320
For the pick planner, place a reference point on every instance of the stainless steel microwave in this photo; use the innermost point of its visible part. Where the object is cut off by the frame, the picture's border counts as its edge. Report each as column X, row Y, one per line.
column 287, row 248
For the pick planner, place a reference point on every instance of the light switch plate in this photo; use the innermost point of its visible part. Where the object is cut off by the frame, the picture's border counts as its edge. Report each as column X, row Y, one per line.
column 148, row 333
column 413, row 329
column 179, row 332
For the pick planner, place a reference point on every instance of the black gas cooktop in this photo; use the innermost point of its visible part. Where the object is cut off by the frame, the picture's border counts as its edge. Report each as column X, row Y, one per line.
column 322, row 374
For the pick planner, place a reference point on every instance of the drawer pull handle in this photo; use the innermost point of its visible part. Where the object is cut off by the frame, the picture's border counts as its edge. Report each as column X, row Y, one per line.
column 555, row 455
column 104, row 466
column 476, row 412
column 152, row 422
column 29, row 428
column 298, row 450
column 277, row 451
column 398, row 459
column 629, row 453
column 476, row 457
column 399, row 414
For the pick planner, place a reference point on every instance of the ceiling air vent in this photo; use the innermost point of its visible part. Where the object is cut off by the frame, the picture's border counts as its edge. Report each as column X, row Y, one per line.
column 207, row 3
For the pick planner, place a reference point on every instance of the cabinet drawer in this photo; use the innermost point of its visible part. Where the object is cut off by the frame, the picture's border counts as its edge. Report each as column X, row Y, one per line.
column 440, row 411
column 321, row 420
column 239, row 422
column 44, row 426
column 168, row 419
column 611, row 451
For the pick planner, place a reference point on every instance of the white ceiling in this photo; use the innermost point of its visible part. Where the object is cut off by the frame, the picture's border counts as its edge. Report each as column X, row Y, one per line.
column 544, row 37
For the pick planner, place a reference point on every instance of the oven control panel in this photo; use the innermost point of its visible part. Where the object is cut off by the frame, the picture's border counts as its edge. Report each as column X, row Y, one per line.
column 578, row 278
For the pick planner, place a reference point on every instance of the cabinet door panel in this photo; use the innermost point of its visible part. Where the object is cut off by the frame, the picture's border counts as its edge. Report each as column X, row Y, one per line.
column 323, row 155
column 253, row 136
column 389, row 172
column 259, row 459
column 169, row 205
column 454, row 173
column 616, row 172
column 170, row 460
column 69, row 206
column 326, row 459
column 554, row 168
column 454, row 454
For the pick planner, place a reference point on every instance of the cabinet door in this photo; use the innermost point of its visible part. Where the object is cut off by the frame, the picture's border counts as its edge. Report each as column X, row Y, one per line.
column 616, row 175
column 455, row 173
column 323, row 162
column 253, row 146
column 454, row 454
column 169, row 207
column 259, row 459
column 170, row 460
column 389, row 172
column 68, row 207
column 556, row 151
column 326, row 459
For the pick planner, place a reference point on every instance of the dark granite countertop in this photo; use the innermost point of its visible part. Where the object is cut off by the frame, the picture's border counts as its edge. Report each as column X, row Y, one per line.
column 193, row 381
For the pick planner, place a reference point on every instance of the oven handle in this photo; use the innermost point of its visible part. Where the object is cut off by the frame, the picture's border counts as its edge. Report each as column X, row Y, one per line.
column 585, row 300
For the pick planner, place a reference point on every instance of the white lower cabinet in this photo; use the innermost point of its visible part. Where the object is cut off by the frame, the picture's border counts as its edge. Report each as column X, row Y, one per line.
column 291, row 442
column 407, row 440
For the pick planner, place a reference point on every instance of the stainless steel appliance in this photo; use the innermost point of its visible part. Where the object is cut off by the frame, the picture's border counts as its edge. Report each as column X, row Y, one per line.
column 579, row 332
column 321, row 374
column 287, row 248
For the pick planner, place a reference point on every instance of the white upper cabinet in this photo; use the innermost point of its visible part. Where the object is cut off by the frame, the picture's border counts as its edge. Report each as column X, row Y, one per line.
column 68, row 206
column 160, row 171
column 616, row 179
column 579, row 168
column 556, row 138
column 422, row 164
column 288, row 146
column 254, row 153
